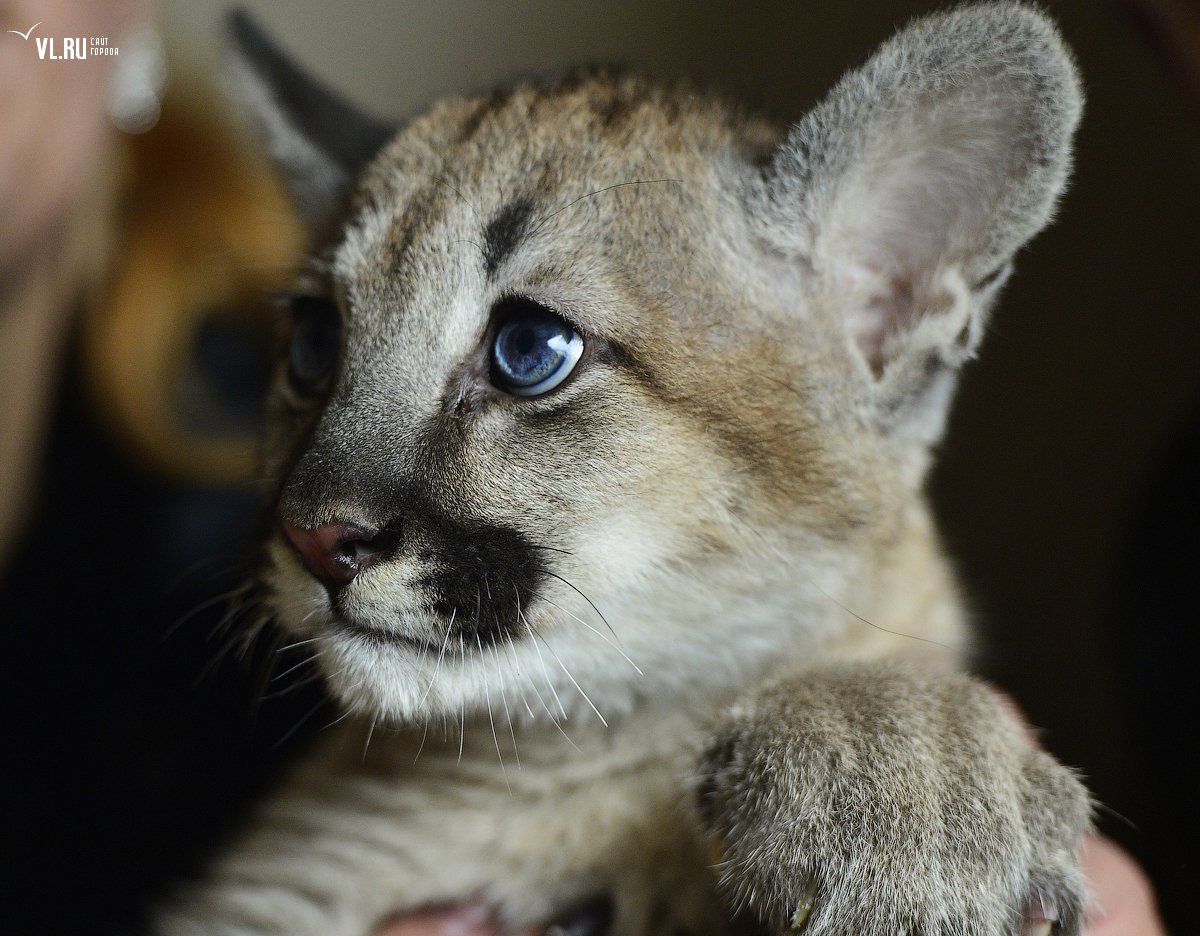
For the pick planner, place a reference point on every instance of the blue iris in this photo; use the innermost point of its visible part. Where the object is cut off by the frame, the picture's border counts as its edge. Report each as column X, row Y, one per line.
column 534, row 352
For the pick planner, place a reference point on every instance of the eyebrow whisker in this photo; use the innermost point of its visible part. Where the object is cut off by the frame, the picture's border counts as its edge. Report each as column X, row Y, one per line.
column 608, row 188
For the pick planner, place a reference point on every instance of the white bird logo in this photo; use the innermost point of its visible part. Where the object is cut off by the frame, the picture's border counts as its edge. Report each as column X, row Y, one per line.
column 25, row 35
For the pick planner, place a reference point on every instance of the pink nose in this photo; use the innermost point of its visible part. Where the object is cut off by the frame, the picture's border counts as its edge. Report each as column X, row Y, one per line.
column 336, row 552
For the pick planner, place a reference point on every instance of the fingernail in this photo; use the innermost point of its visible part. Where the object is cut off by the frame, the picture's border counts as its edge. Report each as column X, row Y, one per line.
column 803, row 909
column 1040, row 917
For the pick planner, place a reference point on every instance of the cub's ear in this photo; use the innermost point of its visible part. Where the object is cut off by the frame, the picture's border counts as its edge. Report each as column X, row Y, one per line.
column 910, row 188
column 319, row 142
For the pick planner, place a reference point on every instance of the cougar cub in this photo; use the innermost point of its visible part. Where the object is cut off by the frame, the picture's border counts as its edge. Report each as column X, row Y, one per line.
column 600, row 447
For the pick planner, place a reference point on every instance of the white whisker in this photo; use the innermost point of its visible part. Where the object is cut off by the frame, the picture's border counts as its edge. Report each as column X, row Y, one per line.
column 343, row 716
column 572, row 678
column 521, row 682
column 462, row 728
column 293, row 668
column 437, row 669
column 370, row 732
column 596, row 632
column 546, row 674
column 424, row 735
column 298, row 643
column 504, row 699
column 491, row 720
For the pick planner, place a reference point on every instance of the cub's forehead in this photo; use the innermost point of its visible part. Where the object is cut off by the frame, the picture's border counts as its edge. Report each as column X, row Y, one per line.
column 484, row 173
column 596, row 124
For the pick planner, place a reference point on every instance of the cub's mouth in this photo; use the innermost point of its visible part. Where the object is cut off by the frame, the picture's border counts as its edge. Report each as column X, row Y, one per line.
column 374, row 636
column 421, row 583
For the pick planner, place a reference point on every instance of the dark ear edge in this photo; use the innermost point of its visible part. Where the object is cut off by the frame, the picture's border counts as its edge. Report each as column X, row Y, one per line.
column 319, row 141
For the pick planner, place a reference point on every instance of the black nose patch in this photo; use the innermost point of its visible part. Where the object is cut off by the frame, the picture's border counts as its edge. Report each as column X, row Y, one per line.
column 480, row 575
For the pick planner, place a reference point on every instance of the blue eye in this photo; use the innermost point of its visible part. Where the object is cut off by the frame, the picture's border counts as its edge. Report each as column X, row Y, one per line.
column 534, row 352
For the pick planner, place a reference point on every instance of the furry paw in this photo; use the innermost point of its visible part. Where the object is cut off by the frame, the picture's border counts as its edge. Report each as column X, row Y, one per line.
column 878, row 801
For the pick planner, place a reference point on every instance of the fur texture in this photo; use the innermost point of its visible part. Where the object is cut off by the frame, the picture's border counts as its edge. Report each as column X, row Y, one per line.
column 696, row 548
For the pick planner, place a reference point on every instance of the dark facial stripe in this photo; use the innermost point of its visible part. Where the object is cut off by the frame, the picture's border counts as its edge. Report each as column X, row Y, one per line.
column 504, row 233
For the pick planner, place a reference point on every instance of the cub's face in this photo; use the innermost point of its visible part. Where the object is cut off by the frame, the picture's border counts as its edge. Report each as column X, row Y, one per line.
column 602, row 391
column 545, row 421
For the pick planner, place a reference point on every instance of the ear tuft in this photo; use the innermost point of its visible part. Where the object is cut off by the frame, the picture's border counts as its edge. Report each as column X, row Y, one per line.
column 319, row 141
column 911, row 186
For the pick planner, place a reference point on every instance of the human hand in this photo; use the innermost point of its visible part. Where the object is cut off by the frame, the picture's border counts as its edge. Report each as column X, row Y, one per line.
column 1123, row 901
column 1122, row 904
column 53, row 118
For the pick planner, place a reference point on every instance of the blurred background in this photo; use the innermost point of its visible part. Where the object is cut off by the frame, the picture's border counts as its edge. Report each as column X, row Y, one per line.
column 1067, row 489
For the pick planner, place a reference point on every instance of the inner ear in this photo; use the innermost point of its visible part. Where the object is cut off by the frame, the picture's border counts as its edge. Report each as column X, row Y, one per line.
column 913, row 221
column 921, row 175
column 897, row 311
column 880, row 319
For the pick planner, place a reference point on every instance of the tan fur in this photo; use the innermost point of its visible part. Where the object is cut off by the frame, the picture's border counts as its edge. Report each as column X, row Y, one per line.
column 717, row 521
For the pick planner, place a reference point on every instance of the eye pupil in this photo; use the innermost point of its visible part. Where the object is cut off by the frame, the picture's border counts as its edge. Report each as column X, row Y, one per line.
column 534, row 351
column 525, row 341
